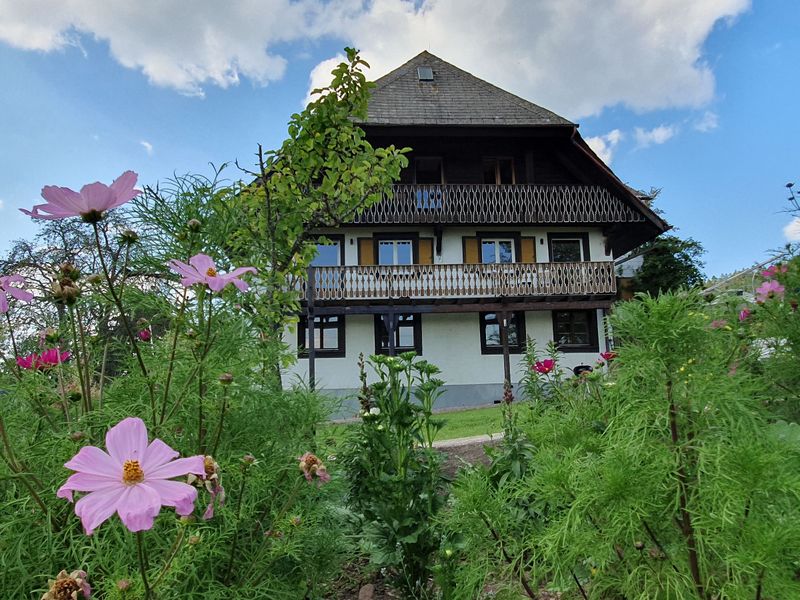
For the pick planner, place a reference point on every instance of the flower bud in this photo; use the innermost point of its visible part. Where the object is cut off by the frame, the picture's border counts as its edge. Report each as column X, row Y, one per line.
column 69, row 271
column 638, row 545
column 226, row 378
column 248, row 459
column 123, row 585
column 94, row 279
column 194, row 540
column 194, row 225
column 128, row 237
column 65, row 291
column 77, row 436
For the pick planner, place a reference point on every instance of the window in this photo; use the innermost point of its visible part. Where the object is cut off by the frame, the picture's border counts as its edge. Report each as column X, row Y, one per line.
column 490, row 333
column 328, row 336
column 429, row 174
column 407, row 334
column 396, row 249
column 568, row 247
column 330, row 253
column 575, row 330
column 498, row 170
column 497, row 251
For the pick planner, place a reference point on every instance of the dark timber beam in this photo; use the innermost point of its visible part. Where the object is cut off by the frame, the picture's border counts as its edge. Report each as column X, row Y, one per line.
column 475, row 307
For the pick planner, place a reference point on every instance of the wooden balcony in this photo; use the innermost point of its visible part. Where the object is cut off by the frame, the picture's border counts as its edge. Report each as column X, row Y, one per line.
column 454, row 281
column 499, row 204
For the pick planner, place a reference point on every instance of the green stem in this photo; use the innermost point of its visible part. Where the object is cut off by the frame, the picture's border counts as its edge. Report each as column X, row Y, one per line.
column 148, row 594
column 221, row 419
column 126, row 324
column 228, row 571
column 17, row 369
column 172, row 352
column 176, row 546
column 78, row 358
column 85, row 361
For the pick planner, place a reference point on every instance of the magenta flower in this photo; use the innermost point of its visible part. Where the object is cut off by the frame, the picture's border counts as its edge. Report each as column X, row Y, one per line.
column 144, row 335
column 744, row 314
column 544, row 366
column 608, row 356
column 201, row 269
column 133, row 479
column 8, row 290
column 769, row 289
column 93, row 200
column 773, row 271
column 45, row 360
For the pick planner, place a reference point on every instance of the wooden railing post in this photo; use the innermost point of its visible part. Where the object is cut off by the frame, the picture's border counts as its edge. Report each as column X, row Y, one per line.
column 312, row 346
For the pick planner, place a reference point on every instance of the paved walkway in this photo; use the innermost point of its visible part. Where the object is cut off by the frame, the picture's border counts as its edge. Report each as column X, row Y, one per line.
column 468, row 441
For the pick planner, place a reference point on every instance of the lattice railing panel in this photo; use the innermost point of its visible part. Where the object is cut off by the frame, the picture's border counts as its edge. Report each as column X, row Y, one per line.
column 463, row 281
column 499, row 204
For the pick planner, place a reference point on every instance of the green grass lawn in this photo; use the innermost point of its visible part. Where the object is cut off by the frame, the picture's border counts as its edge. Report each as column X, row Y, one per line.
column 457, row 424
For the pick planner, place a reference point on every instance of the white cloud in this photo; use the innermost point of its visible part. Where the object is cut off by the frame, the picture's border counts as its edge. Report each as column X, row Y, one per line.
column 709, row 121
column 604, row 145
column 792, row 230
column 657, row 135
column 2, row 204
column 321, row 76
column 148, row 147
column 564, row 54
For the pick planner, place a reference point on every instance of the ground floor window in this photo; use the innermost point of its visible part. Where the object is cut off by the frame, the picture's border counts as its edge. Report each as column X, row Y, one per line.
column 490, row 333
column 407, row 334
column 328, row 336
column 575, row 330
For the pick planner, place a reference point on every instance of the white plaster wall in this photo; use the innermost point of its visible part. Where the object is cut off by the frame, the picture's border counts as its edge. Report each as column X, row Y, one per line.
column 450, row 341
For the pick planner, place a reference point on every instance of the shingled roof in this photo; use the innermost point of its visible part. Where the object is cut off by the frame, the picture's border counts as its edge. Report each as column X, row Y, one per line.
column 453, row 97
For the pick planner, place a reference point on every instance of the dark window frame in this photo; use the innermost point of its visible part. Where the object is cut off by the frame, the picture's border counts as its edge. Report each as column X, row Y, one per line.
column 594, row 342
column 516, row 236
column 582, row 236
column 497, row 160
column 334, row 237
column 417, row 328
column 413, row 162
column 302, row 327
column 517, row 348
column 389, row 237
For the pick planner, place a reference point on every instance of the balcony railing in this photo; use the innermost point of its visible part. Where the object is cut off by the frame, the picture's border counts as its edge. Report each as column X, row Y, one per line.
column 499, row 204
column 383, row 282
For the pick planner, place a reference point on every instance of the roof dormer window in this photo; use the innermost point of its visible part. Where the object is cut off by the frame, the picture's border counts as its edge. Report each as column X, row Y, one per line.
column 425, row 73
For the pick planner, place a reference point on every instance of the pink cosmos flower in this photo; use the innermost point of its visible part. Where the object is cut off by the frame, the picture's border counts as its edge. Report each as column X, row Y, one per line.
column 90, row 204
column 144, row 335
column 774, row 270
column 310, row 465
column 48, row 358
column 133, row 479
column 608, row 356
column 744, row 314
column 201, row 269
column 544, row 366
column 769, row 289
column 8, row 290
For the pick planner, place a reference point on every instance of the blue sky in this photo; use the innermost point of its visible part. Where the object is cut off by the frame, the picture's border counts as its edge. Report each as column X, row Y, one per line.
column 698, row 101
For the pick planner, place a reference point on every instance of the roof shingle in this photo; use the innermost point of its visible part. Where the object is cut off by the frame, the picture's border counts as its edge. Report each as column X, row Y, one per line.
column 454, row 97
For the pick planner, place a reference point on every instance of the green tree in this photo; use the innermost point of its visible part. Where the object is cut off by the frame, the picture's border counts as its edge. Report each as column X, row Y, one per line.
column 323, row 175
column 669, row 263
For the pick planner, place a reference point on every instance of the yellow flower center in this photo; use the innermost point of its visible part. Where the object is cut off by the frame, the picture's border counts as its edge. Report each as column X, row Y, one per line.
column 212, row 272
column 132, row 472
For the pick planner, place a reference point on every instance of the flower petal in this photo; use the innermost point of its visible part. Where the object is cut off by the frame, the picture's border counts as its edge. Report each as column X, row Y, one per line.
column 3, row 303
column 93, row 460
column 97, row 196
column 123, row 187
column 202, row 262
column 19, row 294
column 96, row 507
column 138, row 506
column 86, row 482
column 175, row 493
column 239, row 271
column 127, row 440
column 157, row 454
column 179, row 468
column 217, row 284
column 63, row 199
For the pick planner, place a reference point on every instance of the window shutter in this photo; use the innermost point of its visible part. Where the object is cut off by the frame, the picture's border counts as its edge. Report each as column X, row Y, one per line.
column 426, row 251
column 471, row 250
column 366, row 251
column 527, row 250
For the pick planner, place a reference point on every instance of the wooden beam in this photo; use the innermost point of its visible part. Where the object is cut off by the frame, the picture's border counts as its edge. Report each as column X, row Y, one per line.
column 462, row 308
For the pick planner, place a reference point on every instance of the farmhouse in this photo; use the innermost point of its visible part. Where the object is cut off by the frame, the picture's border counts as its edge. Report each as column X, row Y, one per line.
column 504, row 226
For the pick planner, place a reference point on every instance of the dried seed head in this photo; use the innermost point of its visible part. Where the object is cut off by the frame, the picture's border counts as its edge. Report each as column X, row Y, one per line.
column 194, row 225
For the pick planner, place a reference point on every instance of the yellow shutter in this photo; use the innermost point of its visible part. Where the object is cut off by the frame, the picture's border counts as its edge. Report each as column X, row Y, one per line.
column 425, row 251
column 366, row 251
column 527, row 250
column 471, row 250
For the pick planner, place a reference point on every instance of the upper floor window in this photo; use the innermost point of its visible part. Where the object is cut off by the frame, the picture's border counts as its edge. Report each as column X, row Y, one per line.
column 330, row 252
column 568, row 247
column 497, row 251
column 498, row 170
column 428, row 170
column 395, row 252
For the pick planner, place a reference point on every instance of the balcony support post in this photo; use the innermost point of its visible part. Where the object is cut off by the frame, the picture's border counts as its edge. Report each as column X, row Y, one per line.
column 312, row 342
column 503, row 320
